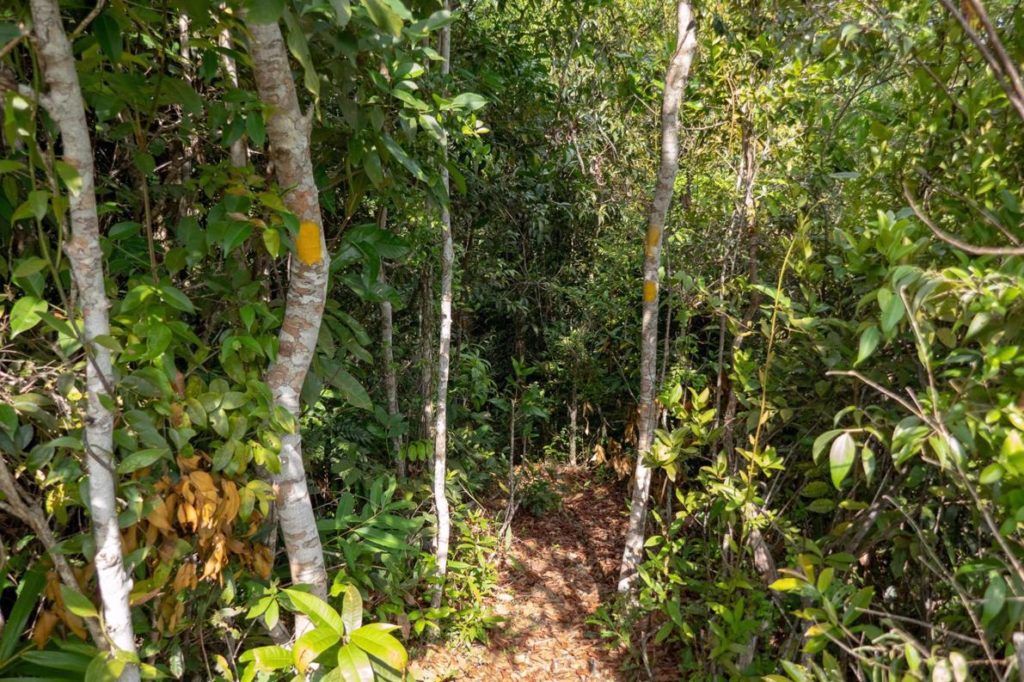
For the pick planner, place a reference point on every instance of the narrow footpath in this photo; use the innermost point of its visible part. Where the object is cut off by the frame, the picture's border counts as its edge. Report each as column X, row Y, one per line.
column 554, row 577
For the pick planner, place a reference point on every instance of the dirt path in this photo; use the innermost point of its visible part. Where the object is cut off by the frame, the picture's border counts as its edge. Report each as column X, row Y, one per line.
column 559, row 568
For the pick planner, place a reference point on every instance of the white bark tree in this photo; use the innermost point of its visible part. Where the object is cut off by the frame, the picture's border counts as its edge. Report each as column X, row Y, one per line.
column 288, row 131
column 443, row 362
column 675, row 83
column 63, row 100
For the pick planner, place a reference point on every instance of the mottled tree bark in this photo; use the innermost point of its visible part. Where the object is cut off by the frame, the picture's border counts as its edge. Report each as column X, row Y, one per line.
column 64, row 102
column 288, row 132
column 443, row 363
column 675, row 83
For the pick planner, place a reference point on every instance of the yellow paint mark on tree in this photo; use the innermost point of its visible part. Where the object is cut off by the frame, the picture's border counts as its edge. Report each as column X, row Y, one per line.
column 308, row 243
column 653, row 238
column 650, row 291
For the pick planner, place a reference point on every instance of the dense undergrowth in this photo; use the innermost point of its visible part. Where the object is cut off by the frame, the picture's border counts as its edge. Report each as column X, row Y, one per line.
column 839, row 464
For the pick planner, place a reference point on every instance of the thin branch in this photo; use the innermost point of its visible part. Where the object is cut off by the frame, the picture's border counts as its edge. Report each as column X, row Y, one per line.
column 88, row 19
column 950, row 239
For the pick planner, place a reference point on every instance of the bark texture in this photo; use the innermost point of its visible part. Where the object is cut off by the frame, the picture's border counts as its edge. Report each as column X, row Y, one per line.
column 675, row 83
column 443, row 363
column 239, row 152
column 64, row 102
column 288, row 132
column 387, row 327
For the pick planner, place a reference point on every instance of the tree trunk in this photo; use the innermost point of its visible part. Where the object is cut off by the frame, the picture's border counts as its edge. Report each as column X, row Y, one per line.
column 288, row 132
column 675, row 82
column 427, row 384
column 573, row 413
column 239, row 152
column 387, row 348
column 65, row 105
column 64, row 102
column 746, row 221
column 443, row 362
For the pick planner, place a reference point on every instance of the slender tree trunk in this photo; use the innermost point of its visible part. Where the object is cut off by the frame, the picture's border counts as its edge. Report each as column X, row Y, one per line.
column 288, row 131
column 443, row 362
column 239, row 151
column 64, row 102
column 573, row 414
column 675, row 82
column 387, row 348
column 427, row 384
column 745, row 221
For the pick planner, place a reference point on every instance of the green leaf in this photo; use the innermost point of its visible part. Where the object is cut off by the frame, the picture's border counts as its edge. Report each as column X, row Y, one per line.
column 354, row 665
column 350, row 388
column 868, row 462
column 312, row 644
column 69, row 175
column 468, row 101
column 255, row 128
column 868, row 342
column 77, row 603
column 317, row 610
column 381, row 646
column 892, row 309
column 399, row 154
column 28, row 266
column 263, row 11
column 142, row 459
column 990, row 474
column 33, row 207
column 272, row 241
column 268, row 658
column 174, row 298
column 108, row 35
column 821, row 441
column 352, row 608
column 299, row 48
column 26, row 314
column 384, row 16
column 31, row 586
column 995, row 599
column 342, row 12
column 841, row 458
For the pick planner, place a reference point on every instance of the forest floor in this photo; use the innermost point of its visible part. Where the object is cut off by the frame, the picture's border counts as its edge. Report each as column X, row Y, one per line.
column 557, row 572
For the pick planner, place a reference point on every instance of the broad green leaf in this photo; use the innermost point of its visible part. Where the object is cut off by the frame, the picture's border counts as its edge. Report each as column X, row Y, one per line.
column 29, row 266
column 141, row 459
column 868, row 342
column 312, row 644
column 381, row 645
column 77, row 603
column 26, row 314
column 352, row 608
column 382, row 14
column 822, row 441
column 174, row 298
column 468, row 101
column 841, row 458
column 29, row 589
column 995, row 599
column 399, row 154
column 787, row 585
column 319, row 611
column 268, row 658
column 350, row 388
column 108, row 35
column 990, row 474
column 354, row 665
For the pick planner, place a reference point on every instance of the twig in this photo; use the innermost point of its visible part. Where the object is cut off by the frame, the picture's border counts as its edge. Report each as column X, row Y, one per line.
column 950, row 239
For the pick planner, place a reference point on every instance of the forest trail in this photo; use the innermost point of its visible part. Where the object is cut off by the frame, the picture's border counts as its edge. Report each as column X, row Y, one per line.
column 559, row 568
